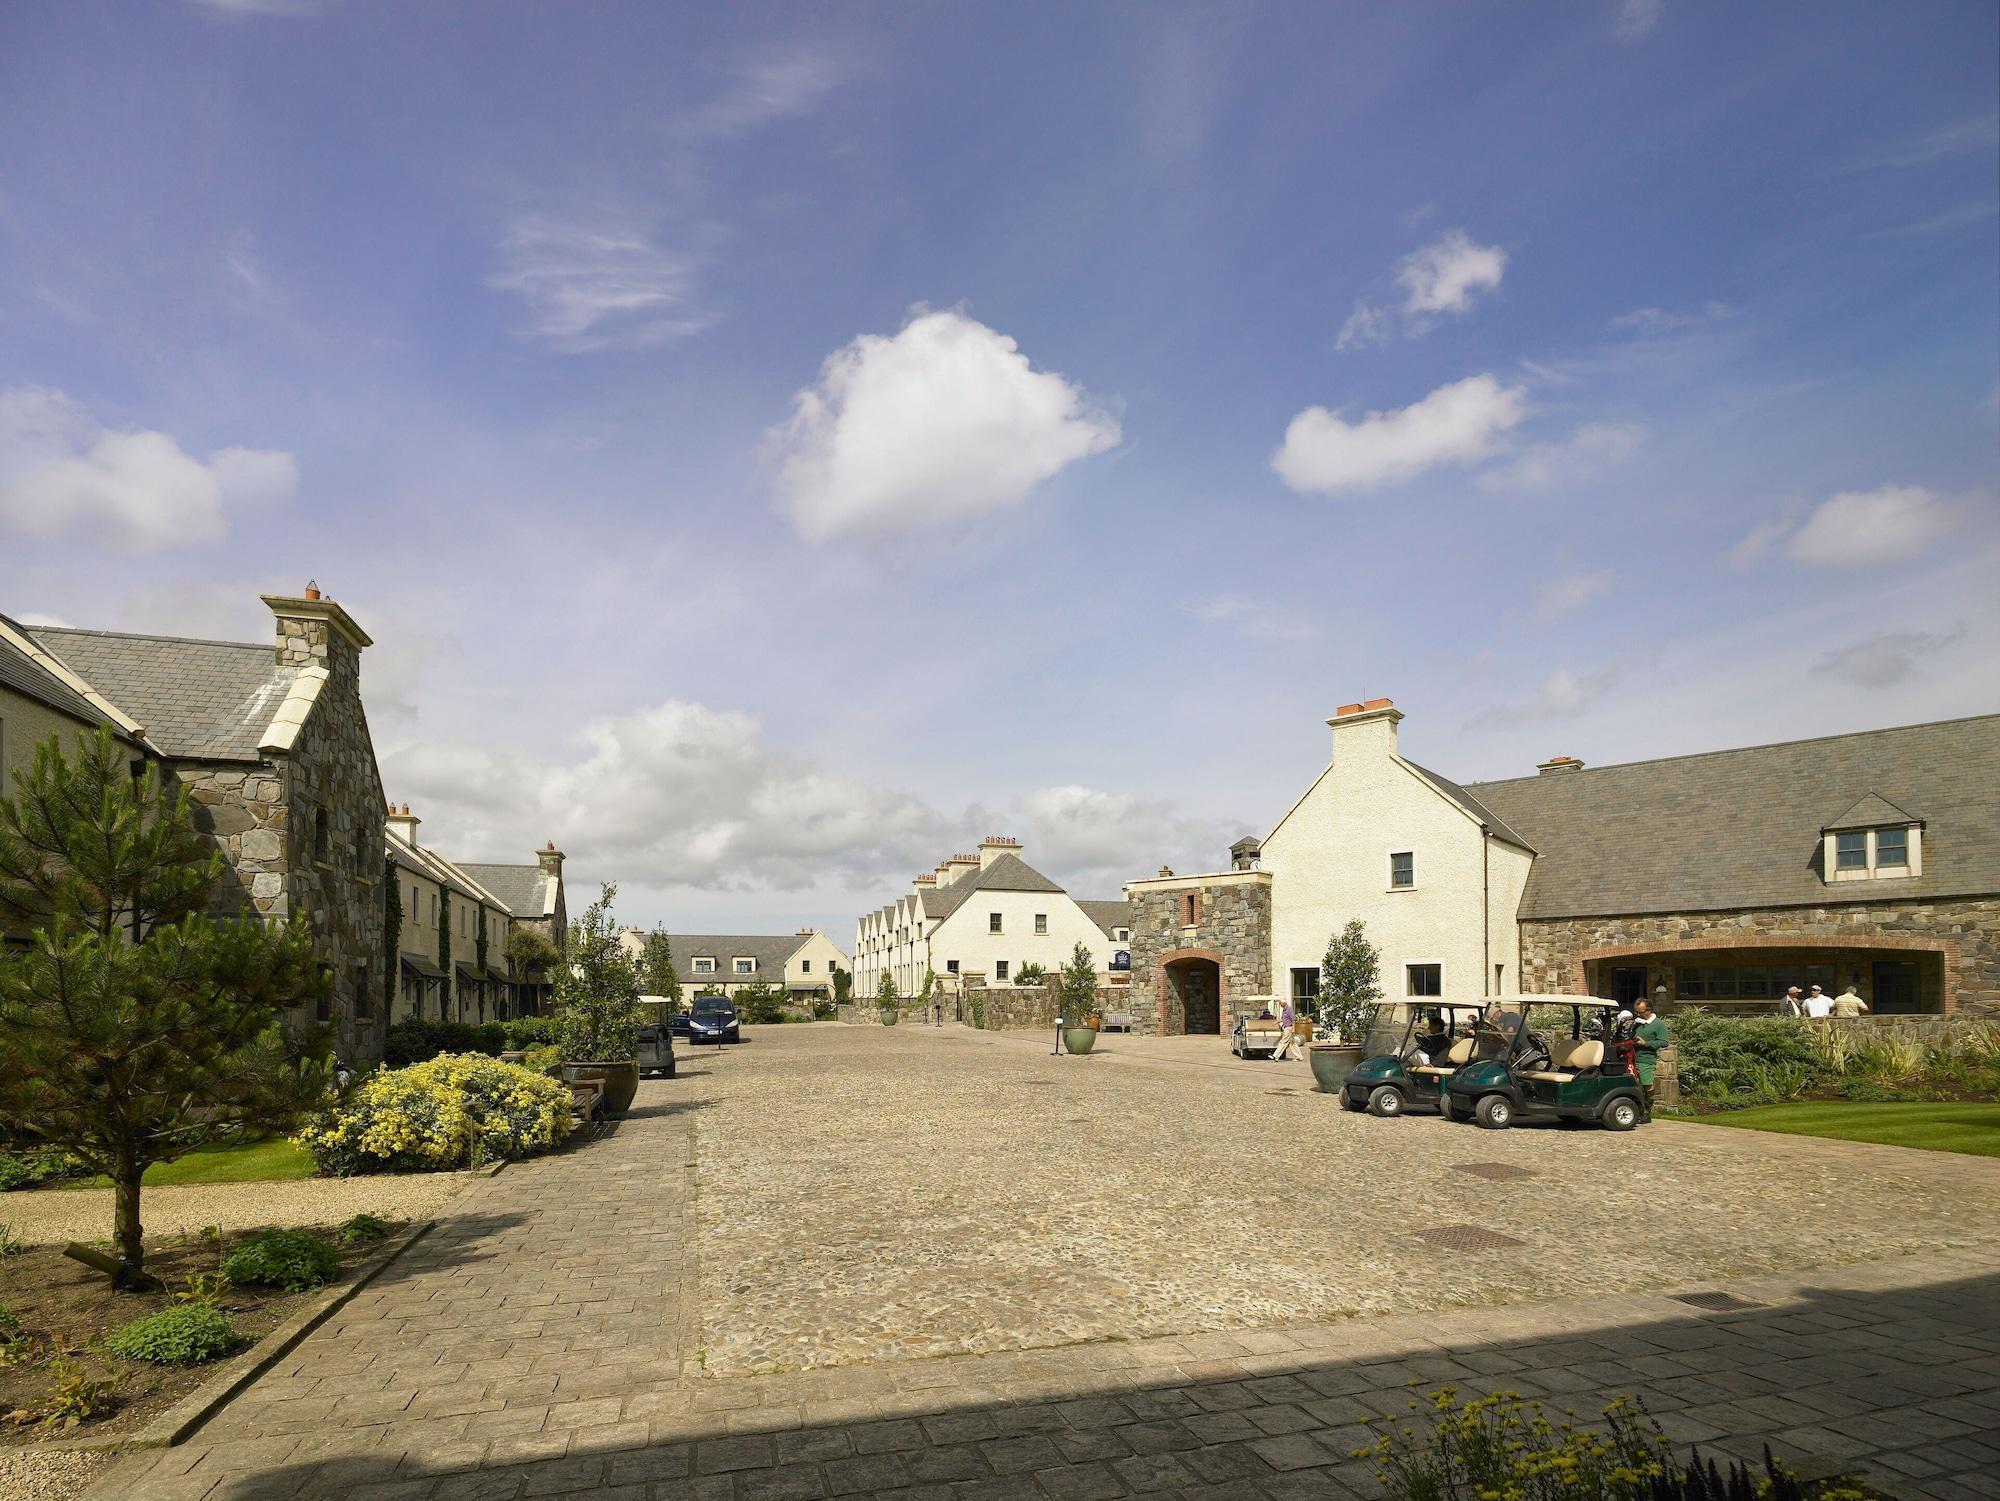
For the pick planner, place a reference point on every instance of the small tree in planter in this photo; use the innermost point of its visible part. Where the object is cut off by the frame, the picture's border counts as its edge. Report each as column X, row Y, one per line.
column 1350, row 984
column 1031, row 974
column 597, row 1009
column 885, row 999
column 1076, row 999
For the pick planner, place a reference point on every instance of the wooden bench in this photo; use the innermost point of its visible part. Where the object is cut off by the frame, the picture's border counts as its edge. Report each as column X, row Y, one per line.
column 585, row 1095
column 1118, row 1021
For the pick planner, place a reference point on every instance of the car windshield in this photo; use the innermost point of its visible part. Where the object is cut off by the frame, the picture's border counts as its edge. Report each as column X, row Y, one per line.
column 709, row 1005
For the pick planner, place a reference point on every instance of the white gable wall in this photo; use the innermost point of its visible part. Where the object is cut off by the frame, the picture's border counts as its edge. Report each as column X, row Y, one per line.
column 964, row 935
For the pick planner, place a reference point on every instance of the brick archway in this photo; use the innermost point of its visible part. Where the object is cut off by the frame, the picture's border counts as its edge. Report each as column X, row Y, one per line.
column 1164, row 985
column 1748, row 944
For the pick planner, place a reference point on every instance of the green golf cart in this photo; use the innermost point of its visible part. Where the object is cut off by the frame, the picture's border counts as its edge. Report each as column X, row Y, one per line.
column 1522, row 1071
column 1437, row 1038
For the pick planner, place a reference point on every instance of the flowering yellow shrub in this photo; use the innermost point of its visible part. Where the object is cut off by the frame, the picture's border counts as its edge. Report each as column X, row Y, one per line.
column 456, row 1110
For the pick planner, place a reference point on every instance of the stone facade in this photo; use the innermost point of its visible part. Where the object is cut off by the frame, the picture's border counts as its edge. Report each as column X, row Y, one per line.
column 302, row 828
column 1199, row 971
column 1961, row 936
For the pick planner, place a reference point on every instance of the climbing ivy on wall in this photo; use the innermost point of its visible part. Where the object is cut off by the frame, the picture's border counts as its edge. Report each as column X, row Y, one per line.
column 392, row 917
column 479, row 950
column 444, row 934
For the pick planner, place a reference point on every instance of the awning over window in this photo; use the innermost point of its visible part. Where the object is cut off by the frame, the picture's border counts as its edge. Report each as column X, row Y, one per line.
column 466, row 971
column 416, row 966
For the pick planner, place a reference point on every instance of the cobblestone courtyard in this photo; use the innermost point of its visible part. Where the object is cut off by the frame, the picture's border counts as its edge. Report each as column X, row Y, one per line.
column 1159, row 1271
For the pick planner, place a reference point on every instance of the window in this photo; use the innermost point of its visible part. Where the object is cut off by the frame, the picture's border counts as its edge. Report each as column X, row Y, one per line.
column 364, row 1002
column 1402, row 875
column 745, row 966
column 1305, row 986
column 805, row 966
column 1851, row 850
column 1121, row 935
column 993, row 922
column 361, row 865
column 1892, row 847
column 951, row 966
column 704, row 966
column 1190, row 908
column 1041, row 924
column 999, row 969
column 322, row 849
column 1423, row 979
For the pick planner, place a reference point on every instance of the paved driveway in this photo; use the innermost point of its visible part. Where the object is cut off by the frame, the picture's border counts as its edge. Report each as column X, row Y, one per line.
column 1146, row 1264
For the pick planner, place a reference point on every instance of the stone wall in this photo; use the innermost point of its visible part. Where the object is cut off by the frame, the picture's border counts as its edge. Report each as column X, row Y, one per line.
column 1965, row 932
column 1232, row 927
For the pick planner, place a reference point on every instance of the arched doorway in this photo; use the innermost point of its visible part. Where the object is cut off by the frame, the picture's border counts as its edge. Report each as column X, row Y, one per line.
column 1191, row 995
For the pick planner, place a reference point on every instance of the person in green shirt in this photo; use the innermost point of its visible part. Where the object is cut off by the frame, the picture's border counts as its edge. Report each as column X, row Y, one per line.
column 1652, row 1035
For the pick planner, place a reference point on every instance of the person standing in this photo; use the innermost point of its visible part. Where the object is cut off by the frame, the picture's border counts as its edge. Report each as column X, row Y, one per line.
column 1288, row 1020
column 1652, row 1035
column 1818, row 1003
column 1849, row 1004
column 1791, row 1005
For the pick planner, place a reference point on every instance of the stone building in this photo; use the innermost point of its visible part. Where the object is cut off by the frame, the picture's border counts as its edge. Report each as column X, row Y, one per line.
column 535, row 898
column 452, row 959
column 1869, row 859
column 273, row 747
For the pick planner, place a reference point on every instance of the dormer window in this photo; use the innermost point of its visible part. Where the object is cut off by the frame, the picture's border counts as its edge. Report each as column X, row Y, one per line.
column 746, row 966
column 1874, row 840
column 704, row 966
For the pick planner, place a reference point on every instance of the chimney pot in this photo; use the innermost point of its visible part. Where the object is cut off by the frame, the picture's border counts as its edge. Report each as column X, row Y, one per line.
column 406, row 810
column 1346, row 709
column 312, row 589
column 1556, row 764
column 1379, row 703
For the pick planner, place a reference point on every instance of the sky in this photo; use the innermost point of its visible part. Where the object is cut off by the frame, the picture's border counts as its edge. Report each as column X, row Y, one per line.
column 773, row 446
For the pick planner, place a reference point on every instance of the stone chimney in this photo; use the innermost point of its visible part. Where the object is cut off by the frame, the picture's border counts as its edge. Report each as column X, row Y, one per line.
column 927, row 879
column 550, row 859
column 403, row 823
column 1555, row 765
column 1365, row 729
column 313, row 631
column 957, row 866
column 993, row 846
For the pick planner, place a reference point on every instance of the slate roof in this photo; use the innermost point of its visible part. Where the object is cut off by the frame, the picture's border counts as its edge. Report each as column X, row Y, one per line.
column 524, row 890
column 1742, row 828
column 1108, row 915
column 434, row 867
column 770, row 950
column 1470, row 803
column 26, row 676
column 199, row 700
column 1007, row 873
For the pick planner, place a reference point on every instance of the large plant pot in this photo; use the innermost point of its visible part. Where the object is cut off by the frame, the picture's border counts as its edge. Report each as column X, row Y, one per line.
column 1332, row 1062
column 1079, row 1039
column 889, row 1018
column 620, row 1082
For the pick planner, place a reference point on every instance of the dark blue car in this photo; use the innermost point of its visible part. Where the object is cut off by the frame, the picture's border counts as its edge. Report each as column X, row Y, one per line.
column 714, row 1020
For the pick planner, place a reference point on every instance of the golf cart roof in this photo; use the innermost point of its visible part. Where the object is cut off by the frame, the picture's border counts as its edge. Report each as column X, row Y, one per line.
column 1585, row 1002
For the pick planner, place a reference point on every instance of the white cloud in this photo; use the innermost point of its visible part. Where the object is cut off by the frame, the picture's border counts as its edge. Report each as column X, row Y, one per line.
column 943, row 421
column 1367, row 325
column 1976, row 133
column 61, row 474
column 1456, row 424
column 1886, row 660
column 1256, row 619
column 1763, row 539
column 774, row 89
column 1859, row 527
column 38, row 618
column 1562, row 695
column 1572, row 592
column 598, row 285
column 1592, row 448
column 1442, row 276
column 1437, row 278
column 1636, row 18
column 257, row 7
column 1099, row 840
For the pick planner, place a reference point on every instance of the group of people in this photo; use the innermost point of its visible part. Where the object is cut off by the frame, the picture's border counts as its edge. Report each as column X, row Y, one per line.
column 1817, row 1003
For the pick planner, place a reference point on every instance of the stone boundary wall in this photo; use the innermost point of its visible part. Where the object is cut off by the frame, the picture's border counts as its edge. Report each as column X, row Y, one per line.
column 1020, row 1008
column 1966, row 931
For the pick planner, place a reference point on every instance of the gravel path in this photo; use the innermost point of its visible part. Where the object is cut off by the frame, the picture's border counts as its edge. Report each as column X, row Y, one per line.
column 53, row 1216
column 871, row 1193
column 48, row 1474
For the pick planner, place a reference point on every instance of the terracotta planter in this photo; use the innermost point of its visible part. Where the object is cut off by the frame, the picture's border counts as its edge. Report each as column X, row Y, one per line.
column 1303, row 1029
column 1079, row 1039
column 1332, row 1062
column 620, row 1082
column 1096, row 1022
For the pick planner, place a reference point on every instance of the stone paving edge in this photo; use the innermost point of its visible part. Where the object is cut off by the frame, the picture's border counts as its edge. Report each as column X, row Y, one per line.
column 198, row 1406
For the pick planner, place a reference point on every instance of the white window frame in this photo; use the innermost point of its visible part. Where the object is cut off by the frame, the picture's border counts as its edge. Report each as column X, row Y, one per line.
column 996, row 922
column 742, row 965
column 1410, row 964
column 1389, row 870
column 1121, row 935
column 999, row 969
column 1874, row 870
column 1041, row 925
column 704, row 965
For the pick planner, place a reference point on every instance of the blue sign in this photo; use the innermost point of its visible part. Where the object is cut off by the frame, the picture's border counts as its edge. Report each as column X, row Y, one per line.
column 1121, row 959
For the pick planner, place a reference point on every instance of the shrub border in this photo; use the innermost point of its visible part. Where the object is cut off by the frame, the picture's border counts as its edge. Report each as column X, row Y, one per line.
column 238, row 1371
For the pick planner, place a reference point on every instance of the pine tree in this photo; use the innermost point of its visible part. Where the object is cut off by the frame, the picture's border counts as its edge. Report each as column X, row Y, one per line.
column 134, row 1028
column 1349, row 983
column 1076, row 996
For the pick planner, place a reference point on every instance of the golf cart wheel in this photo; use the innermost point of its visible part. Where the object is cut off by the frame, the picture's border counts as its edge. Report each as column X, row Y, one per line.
column 1385, row 1100
column 1494, row 1112
column 1448, row 1108
column 1347, row 1101
column 1622, row 1114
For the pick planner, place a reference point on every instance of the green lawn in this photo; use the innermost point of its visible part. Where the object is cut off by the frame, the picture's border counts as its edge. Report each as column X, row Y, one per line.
column 239, row 1162
column 1965, row 1126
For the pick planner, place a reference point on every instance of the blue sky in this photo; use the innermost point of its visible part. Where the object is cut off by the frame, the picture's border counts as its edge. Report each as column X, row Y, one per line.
column 774, row 446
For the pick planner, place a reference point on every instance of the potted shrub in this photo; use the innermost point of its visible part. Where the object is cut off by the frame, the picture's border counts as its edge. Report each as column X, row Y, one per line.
column 1349, row 988
column 1076, row 999
column 885, row 1001
column 597, row 1009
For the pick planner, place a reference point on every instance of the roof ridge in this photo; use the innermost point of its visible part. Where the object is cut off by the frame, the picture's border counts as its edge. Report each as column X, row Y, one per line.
column 1738, row 750
column 78, row 630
